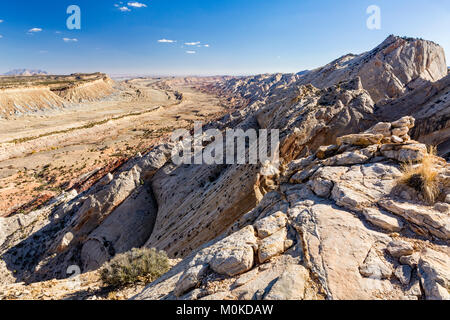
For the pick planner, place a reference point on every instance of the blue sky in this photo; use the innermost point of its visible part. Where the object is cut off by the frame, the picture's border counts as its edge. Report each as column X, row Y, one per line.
column 235, row 36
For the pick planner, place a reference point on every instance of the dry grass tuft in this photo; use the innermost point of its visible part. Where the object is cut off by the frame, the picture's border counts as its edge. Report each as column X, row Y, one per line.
column 135, row 266
column 423, row 177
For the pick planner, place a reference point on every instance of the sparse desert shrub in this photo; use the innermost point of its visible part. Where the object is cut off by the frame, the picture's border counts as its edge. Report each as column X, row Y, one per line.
column 423, row 177
column 135, row 266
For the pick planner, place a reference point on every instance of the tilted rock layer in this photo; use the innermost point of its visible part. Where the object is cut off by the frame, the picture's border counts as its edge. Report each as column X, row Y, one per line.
column 336, row 233
column 21, row 96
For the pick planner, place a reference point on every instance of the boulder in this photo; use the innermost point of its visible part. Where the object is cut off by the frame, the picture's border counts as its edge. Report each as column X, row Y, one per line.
column 434, row 272
column 383, row 219
column 362, row 139
column 352, row 157
column 396, row 139
column 374, row 267
column 400, row 132
column 271, row 224
column 409, row 152
column 403, row 274
column 190, row 279
column 411, row 260
column 234, row 255
column 291, row 284
column 435, row 222
column 383, row 128
column 272, row 246
column 406, row 121
column 399, row 248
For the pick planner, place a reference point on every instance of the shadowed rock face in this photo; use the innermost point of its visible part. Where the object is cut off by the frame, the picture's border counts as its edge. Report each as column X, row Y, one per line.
column 430, row 106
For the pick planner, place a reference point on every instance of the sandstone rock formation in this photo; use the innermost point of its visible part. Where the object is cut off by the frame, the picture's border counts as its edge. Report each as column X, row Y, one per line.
column 331, row 221
column 27, row 95
column 402, row 76
column 330, row 236
column 395, row 67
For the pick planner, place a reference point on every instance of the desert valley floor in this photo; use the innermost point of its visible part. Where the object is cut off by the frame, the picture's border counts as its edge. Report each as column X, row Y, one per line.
column 46, row 153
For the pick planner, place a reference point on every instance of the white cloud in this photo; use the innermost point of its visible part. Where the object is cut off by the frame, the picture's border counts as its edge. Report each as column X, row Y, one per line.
column 192, row 43
column 1, row 36
column 166, row 41
column 1, row 21
column 124, row 7
column 70, row 40
column 206, row 46
column 34, row 30
column 137, row 5
column 191, row 52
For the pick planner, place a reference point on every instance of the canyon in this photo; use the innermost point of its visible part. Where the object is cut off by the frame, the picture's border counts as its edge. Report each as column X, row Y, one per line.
column 332, row 221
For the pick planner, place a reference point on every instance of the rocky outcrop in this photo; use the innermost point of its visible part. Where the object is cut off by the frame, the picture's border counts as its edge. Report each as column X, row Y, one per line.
column 135, row 216
column 331, row 221
column 434, row 274
column 397, row 66
column 87, row 229
column 403, row 76
column 330, row 235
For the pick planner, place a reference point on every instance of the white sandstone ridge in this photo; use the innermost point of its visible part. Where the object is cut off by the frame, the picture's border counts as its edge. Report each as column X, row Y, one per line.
column 395, row 67
column 336, row 225
column 26, row 95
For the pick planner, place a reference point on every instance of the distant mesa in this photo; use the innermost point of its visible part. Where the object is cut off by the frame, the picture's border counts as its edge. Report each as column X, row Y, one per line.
column 34, row 91
column 25, row 72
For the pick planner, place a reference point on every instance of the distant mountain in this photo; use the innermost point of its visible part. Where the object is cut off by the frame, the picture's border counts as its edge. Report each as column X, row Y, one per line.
column 25, row 72
column 301, row 73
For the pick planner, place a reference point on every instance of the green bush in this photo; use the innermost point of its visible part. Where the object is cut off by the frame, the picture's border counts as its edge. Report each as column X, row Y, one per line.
column 135, row 266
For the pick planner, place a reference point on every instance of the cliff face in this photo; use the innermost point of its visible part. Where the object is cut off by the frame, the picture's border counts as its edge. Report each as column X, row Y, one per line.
column 430, row 105
column 28, row 100
column 90, row 91
column 27, row 95
column 396, row 66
